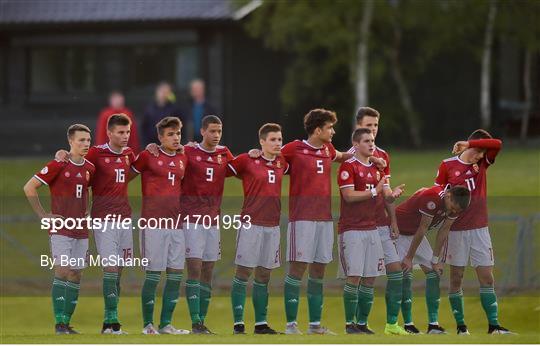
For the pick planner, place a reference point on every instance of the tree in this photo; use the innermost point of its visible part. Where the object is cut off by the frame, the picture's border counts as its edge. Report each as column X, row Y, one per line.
column 485, row 85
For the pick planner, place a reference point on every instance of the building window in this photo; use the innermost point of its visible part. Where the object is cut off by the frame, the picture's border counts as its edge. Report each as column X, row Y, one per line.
column 62, row 70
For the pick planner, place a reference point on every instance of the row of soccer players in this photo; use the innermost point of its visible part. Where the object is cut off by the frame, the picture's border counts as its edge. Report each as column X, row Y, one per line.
column 369, row 226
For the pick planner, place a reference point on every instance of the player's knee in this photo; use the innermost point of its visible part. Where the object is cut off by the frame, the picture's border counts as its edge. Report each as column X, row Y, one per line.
column 74, row 276
column 61, row 272
column 369, row 282
column 316, row 270
column 297, row 269
column 243, row 272
column 353, row 280
column 262, row 276
column 393, row 267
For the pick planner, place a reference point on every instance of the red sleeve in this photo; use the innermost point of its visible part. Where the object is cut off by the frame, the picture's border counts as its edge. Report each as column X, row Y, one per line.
column 333, row 152
column 49, row 172
column 387, row 168
column 229, row 155
column 430, row 202
column 134, row 142
column 493, row 147
column 141, row 162
column 237, row 166
column 101, row 128
column 288, row 151
column 345, row 175
column 285, row 167
column 92, row 155
column 442, row 178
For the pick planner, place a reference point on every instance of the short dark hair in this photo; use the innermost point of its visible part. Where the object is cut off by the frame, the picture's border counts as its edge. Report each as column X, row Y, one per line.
column 461, row 196
column 267, row 128
column 480, row 134
column 118, row 119
column 358, row 133
column 172, row 122
column 366, row 112
column 210, row 119
column 76, row 127
column 317, row 118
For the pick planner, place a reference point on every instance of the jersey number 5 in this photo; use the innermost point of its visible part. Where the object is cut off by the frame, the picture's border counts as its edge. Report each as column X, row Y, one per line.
column 320, row 167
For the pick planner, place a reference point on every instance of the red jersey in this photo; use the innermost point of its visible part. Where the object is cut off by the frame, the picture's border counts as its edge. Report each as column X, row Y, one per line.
column 454, row 172
column 358, row 216
column 382, row 218
column 161, row 179
column 261, row 182
column 203, row 181
column 68, row 183
column 109, row 187
column 310, row 189
column 427, row 201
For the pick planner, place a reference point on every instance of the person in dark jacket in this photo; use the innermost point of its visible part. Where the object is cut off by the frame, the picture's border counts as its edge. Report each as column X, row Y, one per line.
column 195, row 110
column 163, row 106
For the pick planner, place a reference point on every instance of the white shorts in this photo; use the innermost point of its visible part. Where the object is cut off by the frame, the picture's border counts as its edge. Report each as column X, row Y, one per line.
column 164, row 248
column 114, row 241
column 258, row 246
column 361, row 253
column 424, row 253
column 202, row 243
column 472, row 246
column 310, row 241
column 66, row 249
column 388, row 245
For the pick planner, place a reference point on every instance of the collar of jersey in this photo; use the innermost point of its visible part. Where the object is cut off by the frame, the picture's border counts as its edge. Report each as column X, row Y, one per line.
column 77, row 164
column 166, row 153
column 363, row 164
column 306, row 142
column 461, row 161
column 112, row 151
column 206, row 151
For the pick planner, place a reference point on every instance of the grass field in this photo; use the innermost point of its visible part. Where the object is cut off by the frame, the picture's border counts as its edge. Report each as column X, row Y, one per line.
column 26, row 317
column 29, row 320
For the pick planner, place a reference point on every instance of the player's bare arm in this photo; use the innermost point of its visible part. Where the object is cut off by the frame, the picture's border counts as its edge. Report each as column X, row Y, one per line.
column 341, row 157
column 442, row 236
column 350, row 195
column 417, row 239
column 62, row 155
column 30, row 190
column 379, row 162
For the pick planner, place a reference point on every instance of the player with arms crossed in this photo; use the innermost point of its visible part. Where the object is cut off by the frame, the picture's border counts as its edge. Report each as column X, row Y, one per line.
column 427, row 208
column 361, row 253
column 310, row 233
column 68, row 183
column 109, row 197
column 367, row 117
column 257, row 243
column 164, row 248
column 469, row 239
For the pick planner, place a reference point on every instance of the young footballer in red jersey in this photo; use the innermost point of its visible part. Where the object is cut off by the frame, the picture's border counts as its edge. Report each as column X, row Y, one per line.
column 310, row 234
column 427, row 208
column 469, row 239
column 164, row 247
column 367, row 117
column 114, row 241
column 200, row 206
column 361, row 252
column 257, row 243
column 68, row 183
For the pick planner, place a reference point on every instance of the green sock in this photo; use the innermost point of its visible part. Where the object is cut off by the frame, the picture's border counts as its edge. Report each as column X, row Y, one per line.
column 433, row 296
column 206, row 294
column 110, row 295
column 72, row 294
column 118, row 286
column 291, row 295
column 58, row 294
column 193, row 296
column 489, row 303
column 260, row 301
column 365, row 301
column 406, row 300
column 171, row 292
column 393, row 296
column 350, row 302
column 315, row 299
column 238, row 299
column 456, row 302
column 148, row 296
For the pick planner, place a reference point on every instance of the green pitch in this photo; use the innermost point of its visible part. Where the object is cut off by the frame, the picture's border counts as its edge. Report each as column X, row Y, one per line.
column 29, row 320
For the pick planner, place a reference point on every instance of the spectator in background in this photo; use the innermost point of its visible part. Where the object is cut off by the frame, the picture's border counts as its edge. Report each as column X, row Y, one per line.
column 116, row 106
column 197, row 108
column 163, row 106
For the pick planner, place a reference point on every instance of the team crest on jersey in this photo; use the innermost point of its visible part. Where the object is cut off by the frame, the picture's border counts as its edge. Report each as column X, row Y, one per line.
column 87, row 176
column 67, row 174
column 127, row 160
column 326, row 151
column 457, row 173
column 431, row 205
column 476, row 168
column 181, row 164
column 219, row 160
column 107, row 160
column 198, row 158
column 44, row 170
column 160, row 163
column 278, row 164
column 345, row 175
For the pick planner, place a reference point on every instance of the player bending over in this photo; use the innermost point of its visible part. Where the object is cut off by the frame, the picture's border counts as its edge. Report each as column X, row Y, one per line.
column 427, row 208
column 257, row 243
column 68, row 183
